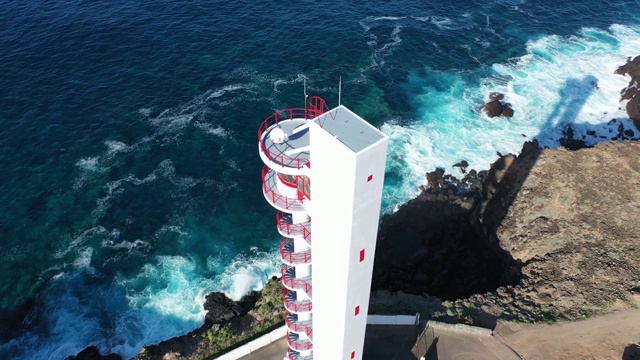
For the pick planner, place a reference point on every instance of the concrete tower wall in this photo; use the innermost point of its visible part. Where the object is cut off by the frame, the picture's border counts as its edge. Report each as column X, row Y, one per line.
column 346, row 192
column 332, row 178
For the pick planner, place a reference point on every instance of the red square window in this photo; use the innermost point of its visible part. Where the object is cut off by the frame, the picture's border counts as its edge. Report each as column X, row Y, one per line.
column 362, row 255
column 357, row 310
column 353, row 354
column 370, row 178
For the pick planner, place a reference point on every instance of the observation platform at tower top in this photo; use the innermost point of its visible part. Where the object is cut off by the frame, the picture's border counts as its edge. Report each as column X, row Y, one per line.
column 349, row 128
column 284, row 136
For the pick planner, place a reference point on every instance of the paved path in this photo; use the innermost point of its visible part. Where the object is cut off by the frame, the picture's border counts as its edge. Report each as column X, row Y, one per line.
column 274, row 351
column 610, row 336
column 438, row 343
column 399, row 343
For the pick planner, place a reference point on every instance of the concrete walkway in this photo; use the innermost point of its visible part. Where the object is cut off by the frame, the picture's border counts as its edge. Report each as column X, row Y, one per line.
column 386, row 342
column 461, row 343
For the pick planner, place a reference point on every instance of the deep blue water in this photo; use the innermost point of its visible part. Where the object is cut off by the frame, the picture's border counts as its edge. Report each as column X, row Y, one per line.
column 130, row 175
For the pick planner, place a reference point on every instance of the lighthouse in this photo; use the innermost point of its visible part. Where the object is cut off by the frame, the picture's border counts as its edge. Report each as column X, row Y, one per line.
column 323, row 173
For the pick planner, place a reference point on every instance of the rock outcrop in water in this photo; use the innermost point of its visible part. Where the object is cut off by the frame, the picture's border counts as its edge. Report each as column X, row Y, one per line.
column 496, row 107
column 632, row 92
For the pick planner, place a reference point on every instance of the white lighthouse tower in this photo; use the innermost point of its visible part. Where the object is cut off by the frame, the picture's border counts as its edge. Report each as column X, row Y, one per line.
column 325, row 165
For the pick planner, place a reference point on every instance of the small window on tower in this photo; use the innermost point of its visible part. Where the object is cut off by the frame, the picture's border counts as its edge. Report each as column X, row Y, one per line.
column 370, row 178
column 357, row 310
column 362, row 255
column 353, row 354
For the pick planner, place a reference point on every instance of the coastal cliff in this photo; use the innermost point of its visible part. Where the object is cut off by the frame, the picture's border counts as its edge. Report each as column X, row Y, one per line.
column 550, row 234
column 563, row 227
column 572, row 220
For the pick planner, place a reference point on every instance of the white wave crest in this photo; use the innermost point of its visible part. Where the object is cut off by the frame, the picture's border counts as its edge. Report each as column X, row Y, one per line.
column 559, row 82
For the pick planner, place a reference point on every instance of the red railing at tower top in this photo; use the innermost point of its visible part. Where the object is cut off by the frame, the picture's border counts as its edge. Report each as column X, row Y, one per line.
column 294, row 283
column 317, row 106
column 290, row 257
column 298, row 327
column 277, row 198
column 285, row 226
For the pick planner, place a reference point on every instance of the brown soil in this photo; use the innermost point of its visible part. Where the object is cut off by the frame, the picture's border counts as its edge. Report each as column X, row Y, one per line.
column 611, row 336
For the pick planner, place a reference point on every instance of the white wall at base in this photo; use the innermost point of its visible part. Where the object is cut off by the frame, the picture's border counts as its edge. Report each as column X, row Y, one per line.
column 237, row 353
column 254, row 344
column 391, row 320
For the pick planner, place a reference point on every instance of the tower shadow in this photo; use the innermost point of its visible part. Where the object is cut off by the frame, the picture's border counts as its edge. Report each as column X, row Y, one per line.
column 631, row 352
column 505, row 179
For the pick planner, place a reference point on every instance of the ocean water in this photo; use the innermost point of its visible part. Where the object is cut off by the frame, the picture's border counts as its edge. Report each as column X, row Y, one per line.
column 130, row 175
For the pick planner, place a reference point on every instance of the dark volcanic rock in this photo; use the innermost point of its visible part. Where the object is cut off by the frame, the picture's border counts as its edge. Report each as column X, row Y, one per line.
column 495, row 106
column 432, row 244
column 220, row 308
column 507, row 110
column 496, row 96
column 631, row 68
column 241, row 317
column 631, row 93
column 628, row 92
column 434, row 178
column 574, row 230
column 92, row 353
column 633, row 110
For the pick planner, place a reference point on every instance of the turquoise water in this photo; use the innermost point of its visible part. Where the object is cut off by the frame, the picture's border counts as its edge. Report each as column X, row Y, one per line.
column 130, row 173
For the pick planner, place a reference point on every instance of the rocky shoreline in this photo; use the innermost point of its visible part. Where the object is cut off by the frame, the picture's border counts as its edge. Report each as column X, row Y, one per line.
column 550, row 234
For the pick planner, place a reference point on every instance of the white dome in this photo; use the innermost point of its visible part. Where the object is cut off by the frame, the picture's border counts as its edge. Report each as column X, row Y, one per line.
column 277, row 136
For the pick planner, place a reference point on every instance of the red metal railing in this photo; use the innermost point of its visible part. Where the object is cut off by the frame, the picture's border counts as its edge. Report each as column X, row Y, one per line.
column 299, row 345
column 297, row 356
column 294, row 306
column 288, row 228
column 279, row 199
column 293, row 283
column 299, row 327
column 302, row 257
column 317, row 106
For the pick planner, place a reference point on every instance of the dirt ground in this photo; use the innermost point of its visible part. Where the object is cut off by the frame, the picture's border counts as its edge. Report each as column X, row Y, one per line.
column 612, row 336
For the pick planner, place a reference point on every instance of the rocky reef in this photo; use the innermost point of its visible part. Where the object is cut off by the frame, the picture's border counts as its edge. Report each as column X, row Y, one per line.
column 496, row 107
column 555, row 232
column 227, row 324
column 546, row 235
column 632, row 91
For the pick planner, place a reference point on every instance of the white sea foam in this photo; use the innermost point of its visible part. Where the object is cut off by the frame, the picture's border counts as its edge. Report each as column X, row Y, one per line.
column 88, row 163
column 216, row 130
column 164, row 300
column 560, row 82
column 114, row 147
column 84, row 258
column 299, row 79
column 146, row 112
column 392, row 18
column 246, row 272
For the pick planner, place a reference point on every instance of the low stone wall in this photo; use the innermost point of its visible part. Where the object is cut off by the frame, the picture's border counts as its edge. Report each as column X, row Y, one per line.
column 460, row 328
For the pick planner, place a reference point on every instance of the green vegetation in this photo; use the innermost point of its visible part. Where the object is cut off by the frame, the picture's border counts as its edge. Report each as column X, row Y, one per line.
column 267, row 315
column 219, row 339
